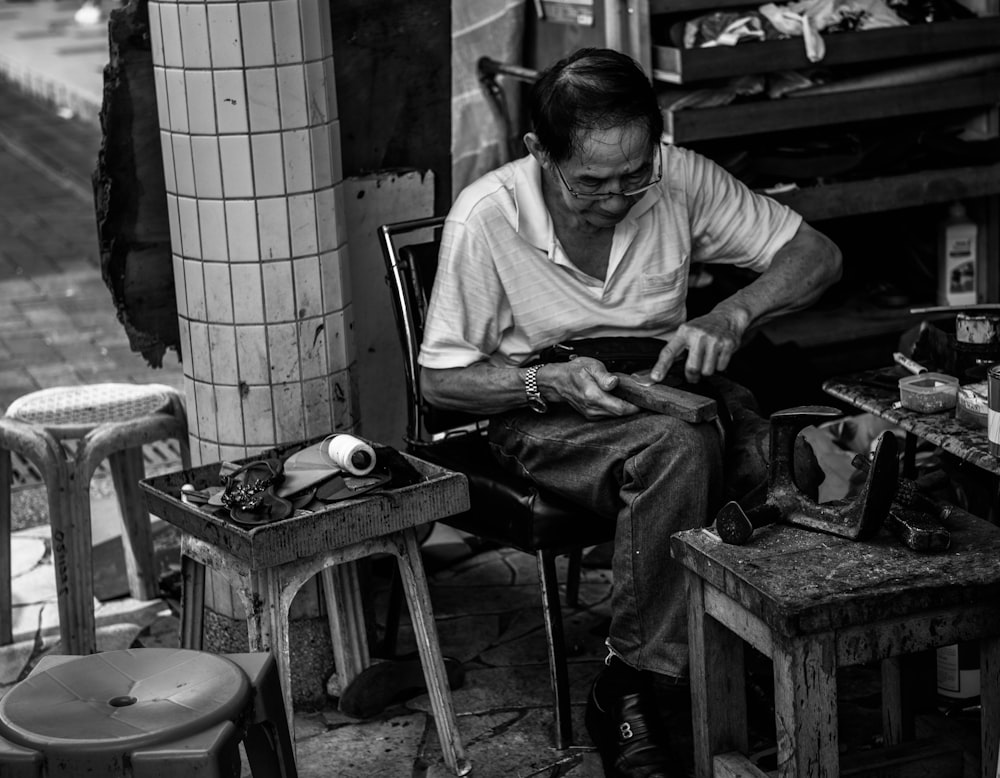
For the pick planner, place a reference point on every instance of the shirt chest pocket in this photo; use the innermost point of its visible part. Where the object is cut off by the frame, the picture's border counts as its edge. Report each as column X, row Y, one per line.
column 662, row 283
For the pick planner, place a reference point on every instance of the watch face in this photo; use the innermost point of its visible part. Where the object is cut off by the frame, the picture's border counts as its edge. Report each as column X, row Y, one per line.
column 538, row 404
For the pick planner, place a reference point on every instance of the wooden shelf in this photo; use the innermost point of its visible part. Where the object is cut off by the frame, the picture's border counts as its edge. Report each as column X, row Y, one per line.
column 752, row 117
column 853, row 198
column 681, row 66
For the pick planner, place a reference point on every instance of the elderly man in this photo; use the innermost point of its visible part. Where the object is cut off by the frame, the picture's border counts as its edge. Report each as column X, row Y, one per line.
column 593, row 234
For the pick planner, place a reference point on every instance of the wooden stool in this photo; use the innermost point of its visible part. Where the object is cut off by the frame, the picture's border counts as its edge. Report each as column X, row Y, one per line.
column 105, row 421
column 267, row 564
column 146, row 713
column 813, row 603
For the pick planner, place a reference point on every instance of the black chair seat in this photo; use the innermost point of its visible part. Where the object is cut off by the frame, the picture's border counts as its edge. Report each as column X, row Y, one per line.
column 511, row 510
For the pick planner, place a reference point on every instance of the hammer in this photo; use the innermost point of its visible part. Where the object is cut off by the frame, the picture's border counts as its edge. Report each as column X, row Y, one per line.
column 858, row 519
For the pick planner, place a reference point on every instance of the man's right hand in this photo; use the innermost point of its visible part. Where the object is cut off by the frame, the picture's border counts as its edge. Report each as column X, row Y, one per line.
column 585, row 384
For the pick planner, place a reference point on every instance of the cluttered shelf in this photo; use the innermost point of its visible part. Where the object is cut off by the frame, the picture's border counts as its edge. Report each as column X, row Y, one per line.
column 764, row 116
column 852, row 198
column 678, row 65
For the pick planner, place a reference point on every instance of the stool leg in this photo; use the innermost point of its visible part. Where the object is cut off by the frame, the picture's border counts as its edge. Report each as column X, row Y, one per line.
column 411, row 569
column 805, row 702
column 718, row 684
column 555, row 637
column 72, row 557
column 344, row 612
column 989, row 695
column 192, row 603
column 6, row 527
column 268, row 742
column 127, row 469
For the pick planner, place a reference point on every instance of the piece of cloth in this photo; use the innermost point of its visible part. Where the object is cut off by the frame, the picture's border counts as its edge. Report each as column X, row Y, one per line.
column 505, row 288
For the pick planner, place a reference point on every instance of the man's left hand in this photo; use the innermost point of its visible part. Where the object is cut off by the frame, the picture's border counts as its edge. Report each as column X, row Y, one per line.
column 709, row 341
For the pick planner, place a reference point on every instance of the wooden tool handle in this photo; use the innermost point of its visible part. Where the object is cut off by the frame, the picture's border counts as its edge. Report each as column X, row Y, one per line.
column 668, row 400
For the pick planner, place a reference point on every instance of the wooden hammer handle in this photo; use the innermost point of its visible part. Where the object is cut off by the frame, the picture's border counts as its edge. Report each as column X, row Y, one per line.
column 668, row 400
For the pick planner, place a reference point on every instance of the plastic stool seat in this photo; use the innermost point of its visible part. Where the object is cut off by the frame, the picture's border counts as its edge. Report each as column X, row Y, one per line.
column 145, row 712
column 66, row 432
column 74, row 410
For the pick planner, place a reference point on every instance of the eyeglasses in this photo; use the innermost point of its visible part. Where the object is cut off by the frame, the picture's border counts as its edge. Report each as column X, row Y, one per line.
column 623, row 193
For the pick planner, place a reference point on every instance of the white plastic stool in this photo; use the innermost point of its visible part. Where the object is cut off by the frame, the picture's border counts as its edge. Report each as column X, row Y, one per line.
column 107, row 421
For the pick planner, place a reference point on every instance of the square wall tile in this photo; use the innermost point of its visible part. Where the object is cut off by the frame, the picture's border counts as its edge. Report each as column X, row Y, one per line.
column 174, row 217
column 279, row 291
column 268, row 170
column 258, row 41
column 313, row 18
column 170, row 31
column 302, row 224
column 200, row 102
column 335, row 270
column 292, row 97
column 273, row 221
column 289, row 421
column 258, row 416
column 205, row 452
column 219, row 299
column 316, row 406
column 237, row 169
column 251, row 351
column 222, row 339
column 331, row 87
column 167, row 150
column 322, row 167
column 329, row 217
column 176, row 99
column 180, row 286
column 224, row 35
column 187, row 209
column 336, row 155
column 262, row 95
column 205, row 411
column 241, row 227
column 200, row 357
column 317, row 93
column 344, row 398
column 183, row 164
column 248, row 293
column 340, row 339
column 162, row 105
column 230, row 421
column 283, row 352
column 287, row 35
column 231, row 101
column 298, row 161
column 312, row 348
column 207, row 165
column 155, row 35
column 194, row 284
column 308, row 287
column 214, row 238
column 194, row 36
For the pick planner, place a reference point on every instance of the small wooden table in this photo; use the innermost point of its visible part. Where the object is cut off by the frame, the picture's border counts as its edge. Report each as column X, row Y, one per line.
column 875, row 391
column 267, row 564
column 814, row 602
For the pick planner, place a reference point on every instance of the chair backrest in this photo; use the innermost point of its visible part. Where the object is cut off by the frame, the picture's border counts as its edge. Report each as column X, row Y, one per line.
column 410, row 268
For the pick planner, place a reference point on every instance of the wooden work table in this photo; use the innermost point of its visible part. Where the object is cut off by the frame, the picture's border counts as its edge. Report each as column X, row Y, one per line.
column 876, row 392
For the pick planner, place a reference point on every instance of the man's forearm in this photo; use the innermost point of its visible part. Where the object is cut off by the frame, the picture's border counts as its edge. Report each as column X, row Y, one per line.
column 801, row 271
column 479, row 388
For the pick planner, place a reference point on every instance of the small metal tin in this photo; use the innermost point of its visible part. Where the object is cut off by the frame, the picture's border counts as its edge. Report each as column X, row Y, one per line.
column 993, row 415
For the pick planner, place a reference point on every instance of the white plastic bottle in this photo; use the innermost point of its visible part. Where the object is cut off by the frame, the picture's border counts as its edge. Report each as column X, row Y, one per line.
column 957, row 258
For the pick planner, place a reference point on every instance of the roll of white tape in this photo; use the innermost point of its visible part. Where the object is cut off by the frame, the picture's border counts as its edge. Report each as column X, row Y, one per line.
column 351, row 454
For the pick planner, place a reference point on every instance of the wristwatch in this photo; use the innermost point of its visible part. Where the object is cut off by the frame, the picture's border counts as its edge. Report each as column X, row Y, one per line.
column 535, row 400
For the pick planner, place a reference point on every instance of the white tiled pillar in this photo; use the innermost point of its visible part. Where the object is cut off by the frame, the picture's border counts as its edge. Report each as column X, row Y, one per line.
column 251, row 149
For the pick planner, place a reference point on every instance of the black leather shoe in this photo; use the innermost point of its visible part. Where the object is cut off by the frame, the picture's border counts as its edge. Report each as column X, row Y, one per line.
column 629, row 736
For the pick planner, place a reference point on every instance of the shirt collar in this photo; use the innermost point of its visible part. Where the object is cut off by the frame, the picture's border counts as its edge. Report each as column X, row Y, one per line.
column 534, row 223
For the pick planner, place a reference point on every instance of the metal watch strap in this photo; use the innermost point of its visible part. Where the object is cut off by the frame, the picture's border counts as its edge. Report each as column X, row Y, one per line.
column 535, row 400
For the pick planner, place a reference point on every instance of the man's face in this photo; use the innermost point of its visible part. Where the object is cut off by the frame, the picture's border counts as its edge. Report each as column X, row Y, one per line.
column 619, row 159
